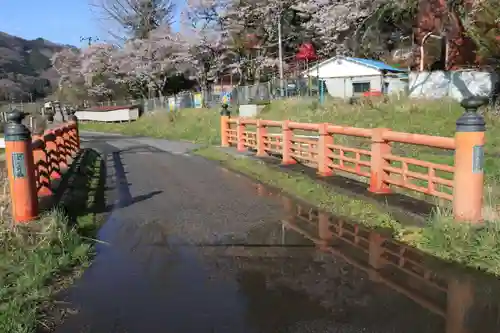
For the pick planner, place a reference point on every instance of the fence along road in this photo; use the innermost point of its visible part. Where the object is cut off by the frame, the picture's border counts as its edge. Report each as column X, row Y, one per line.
column 461, row 183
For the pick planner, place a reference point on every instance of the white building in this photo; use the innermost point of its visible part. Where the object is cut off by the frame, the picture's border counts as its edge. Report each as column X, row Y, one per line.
column 347, row 77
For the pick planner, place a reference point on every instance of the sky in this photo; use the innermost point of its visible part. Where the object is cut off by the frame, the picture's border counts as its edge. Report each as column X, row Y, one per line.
column 59, row 21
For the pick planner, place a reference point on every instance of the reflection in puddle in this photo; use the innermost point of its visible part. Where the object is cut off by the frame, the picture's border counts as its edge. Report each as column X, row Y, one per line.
column 286, row 269
column 466, row 300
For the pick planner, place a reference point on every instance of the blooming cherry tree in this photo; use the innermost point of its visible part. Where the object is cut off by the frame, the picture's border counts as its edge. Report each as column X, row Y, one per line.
column 98, row 69
column 67, row 63
column 149, row 63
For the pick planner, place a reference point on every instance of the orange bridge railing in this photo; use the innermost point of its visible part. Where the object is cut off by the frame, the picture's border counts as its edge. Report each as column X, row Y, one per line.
column 378, row 163
column 35, row 164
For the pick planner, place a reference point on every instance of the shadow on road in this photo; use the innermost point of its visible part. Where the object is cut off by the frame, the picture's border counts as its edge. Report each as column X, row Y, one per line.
column 122, row 186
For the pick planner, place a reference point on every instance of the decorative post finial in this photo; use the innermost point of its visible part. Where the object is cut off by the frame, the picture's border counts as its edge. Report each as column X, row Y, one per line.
column 225, row 110
column 471, row 121
column 14, row 129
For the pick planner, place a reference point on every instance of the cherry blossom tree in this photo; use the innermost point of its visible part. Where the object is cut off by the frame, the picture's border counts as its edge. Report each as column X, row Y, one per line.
column 71, row 86
column 98, row 70
column 67, row 64
column 250, row 37
column 353, row 26
column 148, row 63
column 204, row 57
column 205, row 35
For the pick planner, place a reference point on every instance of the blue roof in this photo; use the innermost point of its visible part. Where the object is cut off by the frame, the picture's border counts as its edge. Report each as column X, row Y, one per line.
column 375, row 64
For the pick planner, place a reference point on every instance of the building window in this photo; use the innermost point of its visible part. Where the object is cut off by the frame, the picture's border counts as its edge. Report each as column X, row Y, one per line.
column 360, row 87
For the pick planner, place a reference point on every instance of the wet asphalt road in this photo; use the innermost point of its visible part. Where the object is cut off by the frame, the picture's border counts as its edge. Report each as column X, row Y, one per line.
column 191, row 247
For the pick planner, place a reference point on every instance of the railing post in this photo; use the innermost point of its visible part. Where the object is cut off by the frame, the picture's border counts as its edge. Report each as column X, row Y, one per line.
column 20, row 169
column 240, row 133
column 73, row 120
column 224, row 125
column 261, row 139
column 469, row 160
column 52, row 154
column 286, row 144
column 325, row 139
column 66, row 135
column 41, row 166
column 61, row 150
column 378, row 163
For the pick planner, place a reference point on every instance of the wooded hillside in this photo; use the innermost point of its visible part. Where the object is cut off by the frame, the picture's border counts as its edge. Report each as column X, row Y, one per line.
column 25, row 68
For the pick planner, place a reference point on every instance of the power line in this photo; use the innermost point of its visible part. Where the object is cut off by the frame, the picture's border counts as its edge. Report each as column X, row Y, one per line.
column 89, row 39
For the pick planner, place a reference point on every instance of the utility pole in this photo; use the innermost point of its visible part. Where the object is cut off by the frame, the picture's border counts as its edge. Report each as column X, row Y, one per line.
column 89, row 39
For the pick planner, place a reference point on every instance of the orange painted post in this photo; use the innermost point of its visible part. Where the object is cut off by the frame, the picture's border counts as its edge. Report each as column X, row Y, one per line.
column 240, row 135
column 66, row 130
column 261, row 139
column 72, row 139
column 52, row 154
column 224, row 125
column 379, row 148
column 324, row 152
column 469, row 160
column 62, row 154
column 287, row 137
column 20, row 169
column 41, row 166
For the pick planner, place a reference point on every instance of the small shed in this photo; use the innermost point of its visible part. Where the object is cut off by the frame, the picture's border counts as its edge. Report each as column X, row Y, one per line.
column 347, row 77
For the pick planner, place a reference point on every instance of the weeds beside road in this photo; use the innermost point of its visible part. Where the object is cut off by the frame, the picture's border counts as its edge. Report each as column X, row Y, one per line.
column 440, row 236
column 43, row 257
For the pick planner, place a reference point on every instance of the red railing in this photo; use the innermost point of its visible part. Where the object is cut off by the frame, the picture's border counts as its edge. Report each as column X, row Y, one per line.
column 35, row 166
column 378, row 163
column 52, row 152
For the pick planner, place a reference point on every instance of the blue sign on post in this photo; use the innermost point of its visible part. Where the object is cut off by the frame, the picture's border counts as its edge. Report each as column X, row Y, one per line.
column 18, row 165
column 477, row 159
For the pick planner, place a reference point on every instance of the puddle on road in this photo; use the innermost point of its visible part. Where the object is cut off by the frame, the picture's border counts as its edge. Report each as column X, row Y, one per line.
column 464, row 300
column 307, row 272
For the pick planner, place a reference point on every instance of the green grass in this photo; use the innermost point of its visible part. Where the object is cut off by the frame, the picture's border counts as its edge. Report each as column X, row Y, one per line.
column 195, row 125
column 440, row 236
column 40, row 258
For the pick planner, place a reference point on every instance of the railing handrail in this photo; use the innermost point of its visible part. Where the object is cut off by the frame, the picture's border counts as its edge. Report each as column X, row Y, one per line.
column 376, row 163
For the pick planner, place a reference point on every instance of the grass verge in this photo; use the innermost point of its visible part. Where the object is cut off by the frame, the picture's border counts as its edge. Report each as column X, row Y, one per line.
column 43, row 257
column 461, row 243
